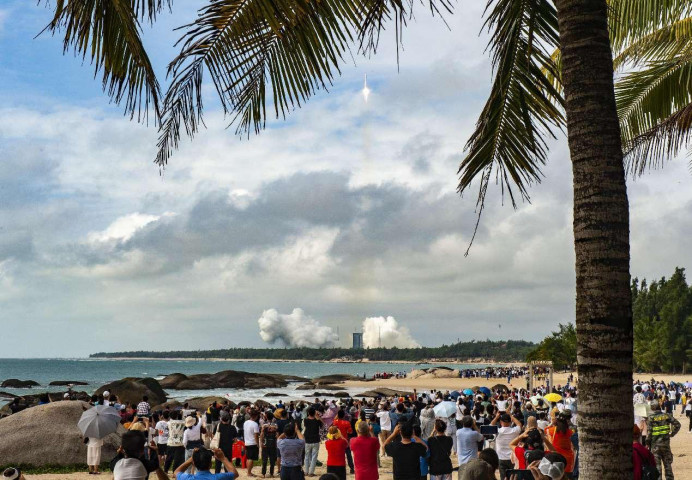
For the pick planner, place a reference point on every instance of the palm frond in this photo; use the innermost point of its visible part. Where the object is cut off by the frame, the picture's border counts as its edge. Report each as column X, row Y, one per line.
column 524, row 105
column 667, row 42
column 256, row 51
column 109, row 33
column 647, row 102
column 664, row 140
column 631, row 20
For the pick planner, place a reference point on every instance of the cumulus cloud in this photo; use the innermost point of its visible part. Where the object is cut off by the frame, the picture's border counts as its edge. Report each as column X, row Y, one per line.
column 386, row 332
column 123, row 228
column 295, row 330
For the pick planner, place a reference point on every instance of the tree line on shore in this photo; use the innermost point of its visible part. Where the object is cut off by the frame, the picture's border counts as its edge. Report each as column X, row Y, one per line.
column 662, row 317
column 499, row 351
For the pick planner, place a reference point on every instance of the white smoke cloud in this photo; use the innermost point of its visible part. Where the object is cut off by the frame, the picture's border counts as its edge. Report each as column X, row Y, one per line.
column 386, row 332
column 295, row 329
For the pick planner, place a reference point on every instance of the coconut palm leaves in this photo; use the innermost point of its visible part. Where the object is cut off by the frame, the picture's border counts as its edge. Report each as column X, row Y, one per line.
column 654, row 97
column 524, row 105
column 267, row 51
column 108, row 31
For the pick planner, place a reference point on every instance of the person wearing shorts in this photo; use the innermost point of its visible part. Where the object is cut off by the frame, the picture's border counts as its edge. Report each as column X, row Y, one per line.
column 251, row 437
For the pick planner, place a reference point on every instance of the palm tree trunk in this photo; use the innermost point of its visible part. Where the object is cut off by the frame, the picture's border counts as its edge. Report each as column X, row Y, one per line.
column 601, row 243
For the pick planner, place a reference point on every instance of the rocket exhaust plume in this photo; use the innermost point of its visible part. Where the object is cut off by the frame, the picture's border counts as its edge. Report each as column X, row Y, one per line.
column 295, row 330
column 386, row 332
column 366, row 90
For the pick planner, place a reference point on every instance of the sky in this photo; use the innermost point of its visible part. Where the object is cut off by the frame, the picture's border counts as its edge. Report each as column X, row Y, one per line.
column 347, row 210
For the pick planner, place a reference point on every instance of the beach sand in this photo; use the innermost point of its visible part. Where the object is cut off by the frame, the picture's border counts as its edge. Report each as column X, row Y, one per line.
column 681, row 443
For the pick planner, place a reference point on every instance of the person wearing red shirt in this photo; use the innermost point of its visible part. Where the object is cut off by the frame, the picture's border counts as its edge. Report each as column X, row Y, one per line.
column 640, row 455
column 346, row 430
column 365, row 449
column 336, row 446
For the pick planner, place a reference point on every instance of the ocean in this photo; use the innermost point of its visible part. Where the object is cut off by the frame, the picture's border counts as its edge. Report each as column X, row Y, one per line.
column 98, row 372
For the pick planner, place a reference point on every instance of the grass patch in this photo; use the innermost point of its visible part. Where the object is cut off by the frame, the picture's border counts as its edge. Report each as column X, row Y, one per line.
column 53, row 469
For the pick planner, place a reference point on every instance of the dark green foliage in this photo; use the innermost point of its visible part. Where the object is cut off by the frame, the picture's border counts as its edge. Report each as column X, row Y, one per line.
column 560, row 348
column 662, row 314
column 500, row 351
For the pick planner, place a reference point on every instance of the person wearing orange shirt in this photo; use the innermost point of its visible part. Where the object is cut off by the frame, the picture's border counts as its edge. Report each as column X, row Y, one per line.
column 560, row 436
column 345, row 428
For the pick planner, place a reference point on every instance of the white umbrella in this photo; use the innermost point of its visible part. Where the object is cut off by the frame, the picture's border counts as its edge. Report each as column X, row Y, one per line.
column 99, row 421
column 445, row 409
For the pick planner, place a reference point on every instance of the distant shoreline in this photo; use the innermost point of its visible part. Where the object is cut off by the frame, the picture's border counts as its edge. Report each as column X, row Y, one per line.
column 473, row 361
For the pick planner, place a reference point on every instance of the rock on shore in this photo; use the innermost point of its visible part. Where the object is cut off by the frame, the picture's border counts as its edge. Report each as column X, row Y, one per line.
column 16, row 383
column 131, row 390
column 66, row 383
column 48, row 435
column 27, row 401
column 227, row 379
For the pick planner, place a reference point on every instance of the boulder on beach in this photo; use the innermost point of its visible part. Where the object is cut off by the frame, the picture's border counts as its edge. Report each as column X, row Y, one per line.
column 27, row 401
column 227, row 379
column 417, row 373
column 202, row 403
column 16, row 383
column 66, row 383
column 274, row 394
column 170, row 404
column 383, row 392
column 48, row 435
column 335, row 378
column 131, row 390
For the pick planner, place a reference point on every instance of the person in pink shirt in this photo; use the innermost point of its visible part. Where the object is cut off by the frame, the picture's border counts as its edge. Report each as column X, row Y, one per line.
column 365, row 448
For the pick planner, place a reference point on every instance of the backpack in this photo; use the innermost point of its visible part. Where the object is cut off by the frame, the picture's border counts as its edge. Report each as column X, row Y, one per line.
column 649, row 472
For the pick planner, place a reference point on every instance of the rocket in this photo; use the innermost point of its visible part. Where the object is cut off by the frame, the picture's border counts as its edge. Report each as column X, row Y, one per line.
column 366, row 90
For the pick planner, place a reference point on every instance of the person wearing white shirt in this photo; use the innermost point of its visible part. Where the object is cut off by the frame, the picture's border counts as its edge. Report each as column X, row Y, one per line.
column 510, row 428
column 192, row 437
column 251, row 437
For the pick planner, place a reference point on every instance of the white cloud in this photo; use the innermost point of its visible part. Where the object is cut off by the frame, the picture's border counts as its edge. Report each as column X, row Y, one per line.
column 123, row 228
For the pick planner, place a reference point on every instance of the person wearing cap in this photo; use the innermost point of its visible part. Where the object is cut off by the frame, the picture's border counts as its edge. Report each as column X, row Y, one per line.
column 481, row 468
column 192, row 437
column 12, row 474
column 510, row 428
column 661, row 427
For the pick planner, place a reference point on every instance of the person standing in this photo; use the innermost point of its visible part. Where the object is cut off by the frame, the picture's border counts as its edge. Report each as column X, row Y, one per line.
column 661, row 427
column 251, row 433
column 366, row 449
column 143, row 408
column 192, row 437
column 227, row 435
column 162, row 436
column 510, row 428
column 336, row 446
column 406, row 453
column 385, row 421
column 291, row 445
column 345, row 428
column 311, row 426
column 468, row 437
column 267, row 440
column 94, row 455
column 440, row 448
column 175, row 451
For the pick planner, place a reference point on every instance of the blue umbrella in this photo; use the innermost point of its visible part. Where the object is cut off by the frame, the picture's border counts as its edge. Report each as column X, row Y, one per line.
column 468, row 391
column 454, row 394
column 485, row 390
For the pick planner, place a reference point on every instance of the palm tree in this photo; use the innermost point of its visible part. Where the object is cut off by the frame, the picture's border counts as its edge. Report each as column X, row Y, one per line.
column 285, row 50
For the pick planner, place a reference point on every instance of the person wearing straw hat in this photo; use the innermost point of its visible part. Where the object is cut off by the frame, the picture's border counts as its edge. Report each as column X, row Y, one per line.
column 12, row 474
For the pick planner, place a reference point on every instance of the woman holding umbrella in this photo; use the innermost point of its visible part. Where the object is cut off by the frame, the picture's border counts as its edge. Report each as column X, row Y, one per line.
column 95, row 423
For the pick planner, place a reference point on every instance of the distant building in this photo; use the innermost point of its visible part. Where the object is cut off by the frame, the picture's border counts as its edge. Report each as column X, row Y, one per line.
column 357, row 340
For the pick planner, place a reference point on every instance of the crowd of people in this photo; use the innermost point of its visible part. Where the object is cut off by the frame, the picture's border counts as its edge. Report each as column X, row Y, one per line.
column 516, row 434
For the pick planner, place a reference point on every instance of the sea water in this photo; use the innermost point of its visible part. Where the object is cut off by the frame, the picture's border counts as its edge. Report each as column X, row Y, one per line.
column 97, row 372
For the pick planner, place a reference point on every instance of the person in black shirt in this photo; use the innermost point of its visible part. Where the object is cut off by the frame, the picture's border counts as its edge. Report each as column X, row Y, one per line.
column 227, row 436
column 440, row 445
column 311, row 432
column 405, row 453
